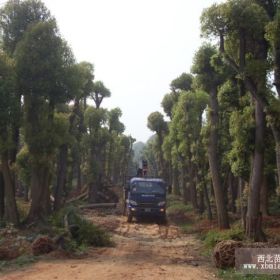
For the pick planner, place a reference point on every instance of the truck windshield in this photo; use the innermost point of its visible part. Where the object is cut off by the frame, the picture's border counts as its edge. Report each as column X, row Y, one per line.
column 146, row 187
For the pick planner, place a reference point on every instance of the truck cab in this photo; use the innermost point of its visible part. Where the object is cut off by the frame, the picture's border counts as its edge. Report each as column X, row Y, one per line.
column 146, row 197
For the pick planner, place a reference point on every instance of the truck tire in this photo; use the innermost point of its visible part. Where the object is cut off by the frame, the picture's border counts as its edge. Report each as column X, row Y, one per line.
column 163, row 220
column 129, row 218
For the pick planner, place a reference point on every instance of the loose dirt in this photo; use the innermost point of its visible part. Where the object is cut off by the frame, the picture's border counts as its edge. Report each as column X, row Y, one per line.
column 143, row 250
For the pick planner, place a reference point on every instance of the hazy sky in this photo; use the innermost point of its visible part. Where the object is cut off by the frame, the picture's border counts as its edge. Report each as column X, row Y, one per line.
column 137, row 46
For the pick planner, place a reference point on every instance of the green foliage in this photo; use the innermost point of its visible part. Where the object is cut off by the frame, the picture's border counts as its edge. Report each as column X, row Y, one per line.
column 99, row 93
column 156, row 123
column 168, row 102
column 16, row 17
column 242, row 131
column 151, row 154
column 95, row 118
column 23, row 209
column 178, row 208
column 212, row 237
column 207, row 76
column 8, row 105
column 19, row 262
column 232, row 274
column 183, row 82
column 185, row 128
column 86, row 76
column 114, row 121
column 175, row 205
column 71, row 212
column 44, row 64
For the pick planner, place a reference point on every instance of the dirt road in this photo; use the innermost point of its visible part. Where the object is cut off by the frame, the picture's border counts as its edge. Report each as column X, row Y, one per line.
column 143, row 250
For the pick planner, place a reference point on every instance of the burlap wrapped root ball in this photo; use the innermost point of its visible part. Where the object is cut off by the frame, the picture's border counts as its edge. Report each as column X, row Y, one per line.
column 224, row 253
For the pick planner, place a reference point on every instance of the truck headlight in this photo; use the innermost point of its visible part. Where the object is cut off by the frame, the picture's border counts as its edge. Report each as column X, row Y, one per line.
column 162, row 203
column 132, row 202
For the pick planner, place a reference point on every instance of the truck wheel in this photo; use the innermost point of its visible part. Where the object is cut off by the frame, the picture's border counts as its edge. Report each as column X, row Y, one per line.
column 163, row 220
column 129, row 218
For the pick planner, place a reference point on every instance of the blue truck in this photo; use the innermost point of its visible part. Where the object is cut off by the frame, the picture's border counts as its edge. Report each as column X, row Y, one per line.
column 145, row 197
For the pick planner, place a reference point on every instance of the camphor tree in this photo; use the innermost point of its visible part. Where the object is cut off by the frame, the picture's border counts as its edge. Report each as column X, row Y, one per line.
column 8, row 110
column 73, row 121
column 157, row 124
column 240, row 27
column 209, row 80
column 44, row 67
column 15, row 19
column 94, row 142
column 99, row 93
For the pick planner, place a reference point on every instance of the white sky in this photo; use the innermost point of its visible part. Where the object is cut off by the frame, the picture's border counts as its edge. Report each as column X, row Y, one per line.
column 137, row 46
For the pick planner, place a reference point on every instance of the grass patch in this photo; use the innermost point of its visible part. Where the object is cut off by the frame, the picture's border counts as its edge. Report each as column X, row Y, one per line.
column 188, row 228
column 18, row 262
column 274, row 207
column 233, row 275
column 212, row 237
column 179, row 207
column 176, row 209
column 180, row 213
column 23, row 208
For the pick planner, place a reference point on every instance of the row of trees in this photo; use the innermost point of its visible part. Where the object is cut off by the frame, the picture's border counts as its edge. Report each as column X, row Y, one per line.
column 222, row 138
column 51, row 140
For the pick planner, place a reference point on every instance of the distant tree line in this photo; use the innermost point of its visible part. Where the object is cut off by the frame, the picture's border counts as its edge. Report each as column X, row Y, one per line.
column 220, row 148
column 52, row 142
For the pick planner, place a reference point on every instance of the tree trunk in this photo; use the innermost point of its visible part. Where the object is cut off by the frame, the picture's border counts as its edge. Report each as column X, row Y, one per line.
column 92, row 195
column 2, row 196
column 264, row 197
column 242, row 209
column 253, row 217
column 276, row 135
column 26, row 193
column 40, row 198
column 96, row 174
column 61, row 177
column 207, row 201
column 79, row 173
column 175, row 181
column 214, row 162
column 11, row 212
column 186, row 197
column 233, row 187
column 201, row 202
column 192, row 187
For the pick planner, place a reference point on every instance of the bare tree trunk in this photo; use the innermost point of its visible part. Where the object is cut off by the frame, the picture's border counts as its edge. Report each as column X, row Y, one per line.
column 11, row 212
column 2, row 196
column 253, row 226
column 214, row 162
column 264, row 197
column 61, row 177
column 207, row 201
column 276, row 135
column 26, row 193
column 186, row 196
column 192, row 187
column 40, row 198
column 233, row 187
column 96, row 177
column 79, row 172
column 201, row 202
column 175, row 181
